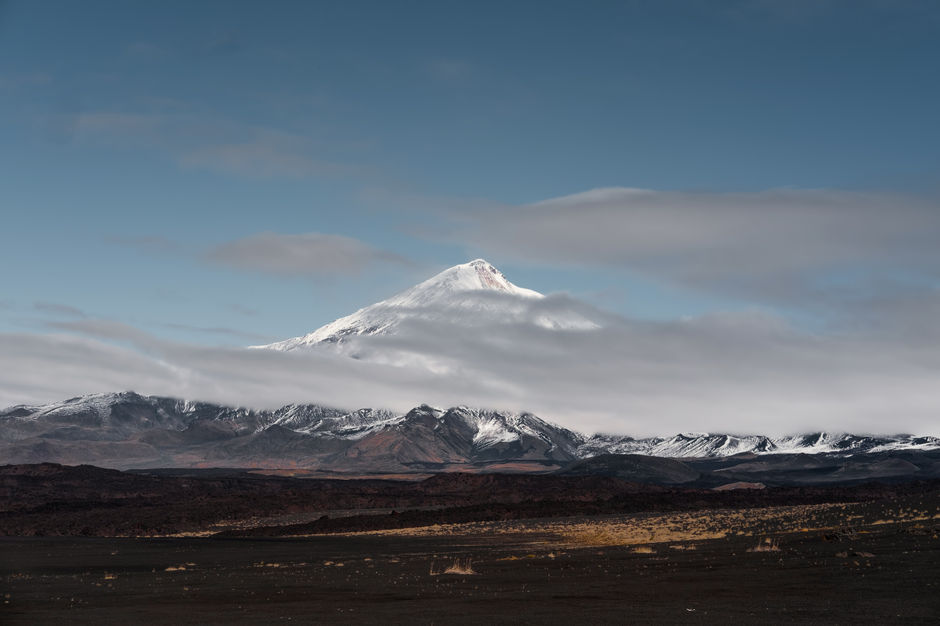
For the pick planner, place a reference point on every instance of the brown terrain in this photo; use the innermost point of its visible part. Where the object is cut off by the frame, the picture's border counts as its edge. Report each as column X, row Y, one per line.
column 50, row 500
column 92, row 546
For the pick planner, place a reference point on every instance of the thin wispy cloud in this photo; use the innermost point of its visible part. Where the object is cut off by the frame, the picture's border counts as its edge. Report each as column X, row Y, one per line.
column 310, row 254
column 241, row 309
column 777, row 245
column 206, row 142
column 111, row 330
column 223, row 331
column 58, row 309
column 304, row 254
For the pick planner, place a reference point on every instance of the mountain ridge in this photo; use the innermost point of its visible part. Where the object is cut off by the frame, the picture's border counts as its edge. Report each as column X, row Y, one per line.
column 131, row 430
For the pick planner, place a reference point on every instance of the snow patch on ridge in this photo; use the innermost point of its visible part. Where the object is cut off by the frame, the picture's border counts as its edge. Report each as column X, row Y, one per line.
column 486, row 430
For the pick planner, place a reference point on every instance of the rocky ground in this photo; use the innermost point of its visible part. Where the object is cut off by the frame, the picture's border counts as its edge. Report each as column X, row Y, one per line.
column 51, row 500
column 479, row 548
column 870, row 562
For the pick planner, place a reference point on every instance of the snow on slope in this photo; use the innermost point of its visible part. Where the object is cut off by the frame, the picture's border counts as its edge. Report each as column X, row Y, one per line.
column 491, row 428
column 447, row 296
column 125, row 416
column 317, row 421
column 683, row 445
column 719, row 445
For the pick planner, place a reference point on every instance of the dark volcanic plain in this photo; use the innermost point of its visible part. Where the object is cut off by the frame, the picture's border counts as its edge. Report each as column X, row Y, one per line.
column 236, row 547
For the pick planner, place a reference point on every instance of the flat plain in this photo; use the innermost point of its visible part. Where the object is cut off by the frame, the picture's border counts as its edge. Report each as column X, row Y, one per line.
column 831, row 563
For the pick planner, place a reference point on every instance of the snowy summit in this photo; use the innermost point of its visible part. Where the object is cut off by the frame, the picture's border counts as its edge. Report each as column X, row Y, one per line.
column 451, row 290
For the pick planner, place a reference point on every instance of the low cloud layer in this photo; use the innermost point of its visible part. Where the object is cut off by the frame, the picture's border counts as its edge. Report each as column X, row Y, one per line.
column 306, row 254
column 872, row 258
column 744, row 373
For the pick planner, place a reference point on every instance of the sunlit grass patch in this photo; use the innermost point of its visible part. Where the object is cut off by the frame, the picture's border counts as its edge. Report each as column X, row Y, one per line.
column 767, row 545
column 458, row 567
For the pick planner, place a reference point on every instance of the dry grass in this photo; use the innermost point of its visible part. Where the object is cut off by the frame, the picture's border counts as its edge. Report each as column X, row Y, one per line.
column 767, row 545
column 598, row 535
column 461, row 568
column 644, row 550
column 643, row 530
column 675, row 530
column 180, row 568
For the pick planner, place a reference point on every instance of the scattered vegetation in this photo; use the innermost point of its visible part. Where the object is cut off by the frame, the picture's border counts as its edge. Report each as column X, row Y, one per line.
column 461, row 568
column 767, row 545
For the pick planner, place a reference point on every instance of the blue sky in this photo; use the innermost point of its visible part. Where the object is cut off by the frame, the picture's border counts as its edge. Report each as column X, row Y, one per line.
column 136, row 139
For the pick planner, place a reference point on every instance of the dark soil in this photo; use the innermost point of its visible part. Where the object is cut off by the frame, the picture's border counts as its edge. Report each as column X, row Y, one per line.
column 56, row 500
column 873, row 560
column 890, row 576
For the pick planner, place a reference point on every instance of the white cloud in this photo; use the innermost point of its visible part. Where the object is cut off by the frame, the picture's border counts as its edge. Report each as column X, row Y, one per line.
column 746, row 373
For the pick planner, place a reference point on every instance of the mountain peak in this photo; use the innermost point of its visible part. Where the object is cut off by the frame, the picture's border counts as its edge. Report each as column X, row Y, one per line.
column 437, row 293
column 480, row 265
column 476, row 275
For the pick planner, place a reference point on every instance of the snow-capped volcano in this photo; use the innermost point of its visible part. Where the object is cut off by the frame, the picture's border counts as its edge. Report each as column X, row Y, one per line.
column 464, row 292
column 477, row 275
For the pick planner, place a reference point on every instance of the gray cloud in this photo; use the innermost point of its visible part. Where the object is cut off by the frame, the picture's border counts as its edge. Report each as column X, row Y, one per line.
column 48, row 366
column 891, row 310
column 221, row 330
column 312, row 254
column 305, row 254
column 740, row 372
column 112, row 331
column 777, row 244
column 201, row 141
column 58, row 309
column 241, row 309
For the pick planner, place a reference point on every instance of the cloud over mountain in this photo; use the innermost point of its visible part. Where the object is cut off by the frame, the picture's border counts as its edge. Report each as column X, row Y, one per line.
column 739, row 372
